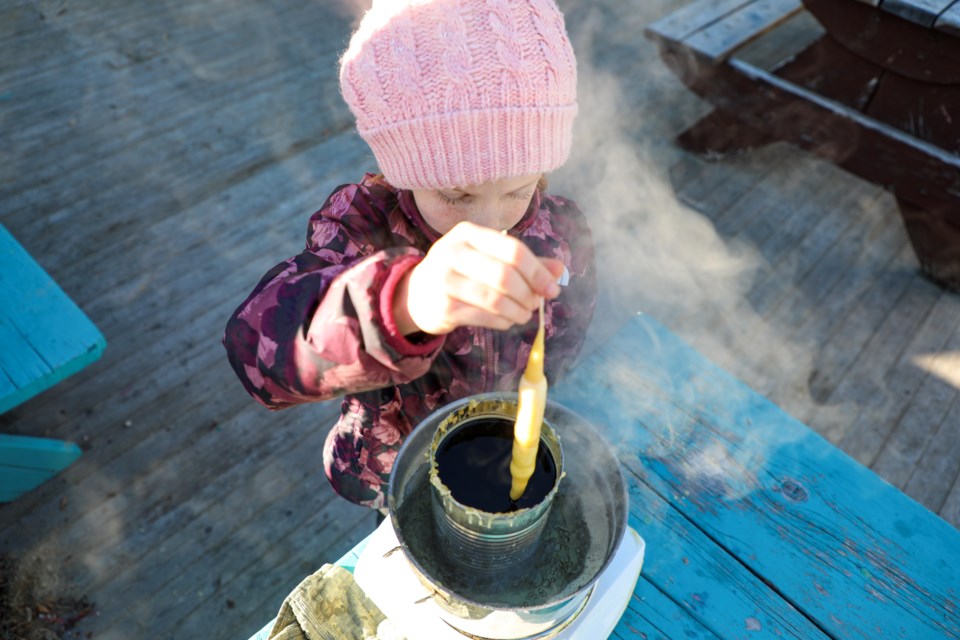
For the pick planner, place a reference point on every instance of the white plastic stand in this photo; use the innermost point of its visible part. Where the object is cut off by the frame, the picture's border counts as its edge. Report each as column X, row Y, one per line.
column 394, row 587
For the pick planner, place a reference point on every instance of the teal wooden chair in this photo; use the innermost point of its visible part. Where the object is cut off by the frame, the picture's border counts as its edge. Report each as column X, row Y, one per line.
column 44, row 338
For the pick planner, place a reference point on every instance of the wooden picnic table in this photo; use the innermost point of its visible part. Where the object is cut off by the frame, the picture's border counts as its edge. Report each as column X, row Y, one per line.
column 877, row 93
column 755, row 526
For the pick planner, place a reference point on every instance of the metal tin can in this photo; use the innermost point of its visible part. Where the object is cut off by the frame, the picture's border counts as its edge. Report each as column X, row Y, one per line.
column 477, row 540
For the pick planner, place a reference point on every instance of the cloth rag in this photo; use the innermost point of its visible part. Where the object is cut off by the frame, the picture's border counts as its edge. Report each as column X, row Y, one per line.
column 329, row 605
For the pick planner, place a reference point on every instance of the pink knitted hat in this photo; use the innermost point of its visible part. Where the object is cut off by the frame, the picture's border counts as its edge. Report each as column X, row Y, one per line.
column 450, row 93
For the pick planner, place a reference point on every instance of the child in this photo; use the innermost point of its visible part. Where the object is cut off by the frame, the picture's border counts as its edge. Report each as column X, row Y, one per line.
column 418, row 285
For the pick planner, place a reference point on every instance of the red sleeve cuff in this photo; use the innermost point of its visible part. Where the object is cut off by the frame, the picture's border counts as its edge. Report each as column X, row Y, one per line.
column 401, row 343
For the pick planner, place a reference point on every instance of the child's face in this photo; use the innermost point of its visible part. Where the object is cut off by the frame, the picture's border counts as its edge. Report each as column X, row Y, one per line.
column 498, row 204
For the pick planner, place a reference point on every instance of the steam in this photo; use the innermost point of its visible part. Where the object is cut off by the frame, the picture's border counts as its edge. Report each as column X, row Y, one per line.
column 655, row 254
column 650, row 247
column 353, row 8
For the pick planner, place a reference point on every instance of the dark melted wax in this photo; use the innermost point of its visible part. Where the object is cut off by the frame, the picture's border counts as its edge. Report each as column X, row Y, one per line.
column 474, row 463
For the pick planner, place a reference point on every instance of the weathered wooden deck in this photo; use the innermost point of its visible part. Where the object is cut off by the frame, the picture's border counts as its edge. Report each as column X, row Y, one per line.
column 157, row 158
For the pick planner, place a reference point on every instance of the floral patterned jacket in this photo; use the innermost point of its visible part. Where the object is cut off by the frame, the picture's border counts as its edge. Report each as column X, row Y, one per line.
column 319, row 326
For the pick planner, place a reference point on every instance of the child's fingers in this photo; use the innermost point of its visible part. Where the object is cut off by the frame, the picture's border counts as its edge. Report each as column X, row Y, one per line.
column 500, row 278
column 512, row 252
column 487, row 307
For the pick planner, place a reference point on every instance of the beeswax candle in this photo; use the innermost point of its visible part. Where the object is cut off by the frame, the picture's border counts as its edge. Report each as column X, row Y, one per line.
column 531, row 405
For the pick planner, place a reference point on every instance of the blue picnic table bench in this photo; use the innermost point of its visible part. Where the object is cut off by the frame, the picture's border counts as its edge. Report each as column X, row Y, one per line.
column 755, row 526
column 44, row 338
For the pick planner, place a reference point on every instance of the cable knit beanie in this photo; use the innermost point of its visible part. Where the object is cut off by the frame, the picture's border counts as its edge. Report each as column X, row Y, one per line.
column 450, row 93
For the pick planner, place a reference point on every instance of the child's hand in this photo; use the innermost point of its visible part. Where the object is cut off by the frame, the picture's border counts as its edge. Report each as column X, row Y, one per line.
column 474, row 276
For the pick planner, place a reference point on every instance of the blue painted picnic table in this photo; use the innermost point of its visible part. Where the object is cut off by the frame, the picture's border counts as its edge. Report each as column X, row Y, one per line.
column 44, row 338
column 755, row 526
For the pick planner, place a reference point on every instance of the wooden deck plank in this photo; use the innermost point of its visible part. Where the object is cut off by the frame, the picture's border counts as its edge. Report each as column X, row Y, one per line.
column 925, row 403
column 736, row 220
column 46, row 101
column 783, row 280
column 729, row 193
column 135, row 566
column 193, row 395
column 937, row 471
column 851, row 335
column 801, row 242
column 720, row 188
column 242, row 108
column 716, row 186
column 324, row 538
column 106, row 38
column 760, row 221
column 123, row 487
column 252, row 208
column 820, row 301
column 831, row 288
column 204, row 297
column 160, row 439
column 172, row 120
column 240, row 161
column 309, row 523
column 923, row 324
column 925, row 458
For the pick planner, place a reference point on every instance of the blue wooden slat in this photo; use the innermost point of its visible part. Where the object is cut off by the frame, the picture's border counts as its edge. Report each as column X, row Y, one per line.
column 16, row 481
column 855, row 554
column 7, row 388
column 654, row 616
column 37, row 453
column 697, row 574
column 27, row 462
column 45, row 337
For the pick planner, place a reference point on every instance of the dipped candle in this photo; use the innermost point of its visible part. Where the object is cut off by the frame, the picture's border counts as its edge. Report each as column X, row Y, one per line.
column 530, row 408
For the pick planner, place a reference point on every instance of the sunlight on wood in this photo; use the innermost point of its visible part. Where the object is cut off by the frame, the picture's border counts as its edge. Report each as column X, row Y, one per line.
column 945, row 366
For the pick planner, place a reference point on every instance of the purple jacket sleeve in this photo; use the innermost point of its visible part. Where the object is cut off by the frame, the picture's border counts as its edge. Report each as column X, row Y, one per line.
column 320, row 325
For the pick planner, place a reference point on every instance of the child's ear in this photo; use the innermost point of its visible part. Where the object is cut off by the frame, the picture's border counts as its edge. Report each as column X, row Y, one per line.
column 542, row 183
